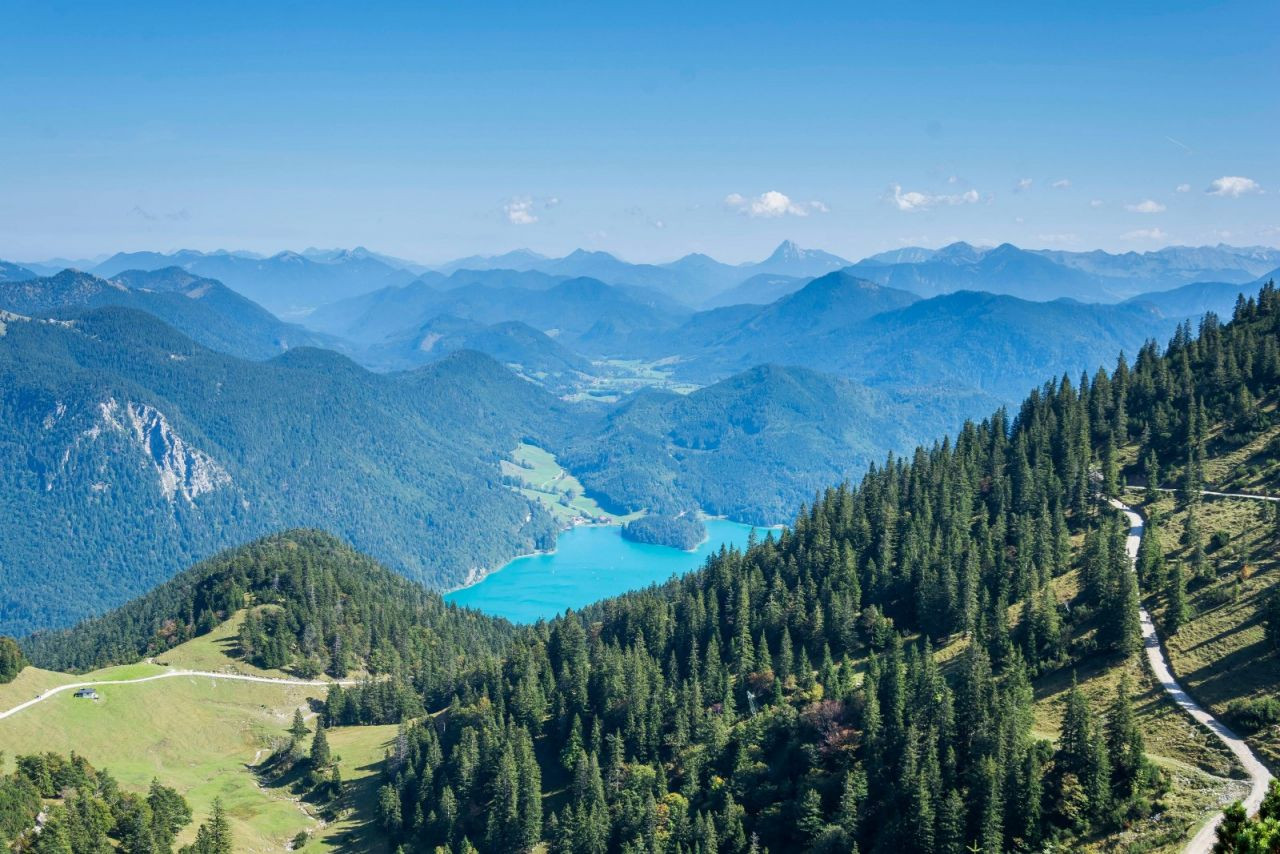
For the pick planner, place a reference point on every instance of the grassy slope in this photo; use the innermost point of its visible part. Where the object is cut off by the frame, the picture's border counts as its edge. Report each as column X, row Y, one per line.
column 1219, row 654
column 1204, row 775
column 199, row 735
column 215, row 652
column 360, row 752
column 548, row 483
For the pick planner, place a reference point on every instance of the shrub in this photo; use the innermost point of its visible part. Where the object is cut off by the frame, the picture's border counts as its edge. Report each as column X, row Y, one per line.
column 1254, row 713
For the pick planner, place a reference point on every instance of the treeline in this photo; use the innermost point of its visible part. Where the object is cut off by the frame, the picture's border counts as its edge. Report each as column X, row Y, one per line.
column 12, row 659
column 678, row 532
column 771, row 701
column 54, row 805
column 318, row 606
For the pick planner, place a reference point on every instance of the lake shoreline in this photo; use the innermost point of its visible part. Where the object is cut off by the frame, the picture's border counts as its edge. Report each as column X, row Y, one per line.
column 589, row 563
column 477, row 579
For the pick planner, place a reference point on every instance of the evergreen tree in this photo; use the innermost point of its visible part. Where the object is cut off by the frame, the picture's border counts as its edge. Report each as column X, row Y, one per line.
column 1176, row 610
column 320, row 756
column 298, row 729
column 1127, row 756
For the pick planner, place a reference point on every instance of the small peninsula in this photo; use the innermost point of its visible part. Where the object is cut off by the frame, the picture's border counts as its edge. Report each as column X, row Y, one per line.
column 679, row 532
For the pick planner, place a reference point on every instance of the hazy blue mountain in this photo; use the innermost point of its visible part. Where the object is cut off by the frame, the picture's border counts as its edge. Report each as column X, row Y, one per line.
column 396, row 308
column 337, row 256
column 985, row 347
column 287, row 283
column 832, row 301
column 905, row 255
column 10, row 272
column 733, row 338
column 989, row 343
column 790, row 260
column 783, row 331
column 583, row 313
column 131, row 451
column 523, row 349
column 1088, row 276
column 52, row 266
column 753, row 446
column 122, row 261
column 760, row 289
column 606, row 268
column 695, row 279
column 1175, row 265
column 210, row 313
column 1196, row 299
column 518, row 259
column 1006, row 269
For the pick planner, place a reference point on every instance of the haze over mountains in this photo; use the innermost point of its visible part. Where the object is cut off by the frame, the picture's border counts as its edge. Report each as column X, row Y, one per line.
column 297, row 282
column 161, row 397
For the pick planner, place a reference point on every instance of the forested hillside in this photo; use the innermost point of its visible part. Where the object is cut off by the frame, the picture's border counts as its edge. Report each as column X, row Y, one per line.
column 789, row 697
column 752, row 447
column 315, row 606
column 135, row 452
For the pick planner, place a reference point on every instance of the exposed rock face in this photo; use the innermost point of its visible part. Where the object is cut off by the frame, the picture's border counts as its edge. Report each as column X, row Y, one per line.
column 183, row 469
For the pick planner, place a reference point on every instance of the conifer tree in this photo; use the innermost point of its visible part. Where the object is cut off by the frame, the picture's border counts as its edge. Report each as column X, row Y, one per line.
column 1176, row 610
column 320, row 757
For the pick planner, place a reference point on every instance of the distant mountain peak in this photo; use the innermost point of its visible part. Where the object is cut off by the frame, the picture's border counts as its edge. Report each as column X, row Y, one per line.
column 792, row 258
column 789, row 250
column 599, row 254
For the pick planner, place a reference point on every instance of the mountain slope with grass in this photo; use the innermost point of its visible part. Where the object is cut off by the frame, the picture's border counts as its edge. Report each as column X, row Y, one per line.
column 943, row 656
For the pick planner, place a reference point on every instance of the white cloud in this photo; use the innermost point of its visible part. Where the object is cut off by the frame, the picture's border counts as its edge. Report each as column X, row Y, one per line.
column 1058, row 238
column 1182, row 188
column 1233, row 185
column 1023, row 184
column 551, row 202
column 772, row 204
column 1145, row 234
column 916, row 201
column 1061, row 184
column 1096, row 203
column 1147, row 206
column 519, row 211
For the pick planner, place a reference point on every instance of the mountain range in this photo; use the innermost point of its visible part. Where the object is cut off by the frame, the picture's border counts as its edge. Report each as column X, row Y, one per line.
column 1050, row 274
column 295, row 283
column 288, row 283
column 136, row 450
column 205, row 309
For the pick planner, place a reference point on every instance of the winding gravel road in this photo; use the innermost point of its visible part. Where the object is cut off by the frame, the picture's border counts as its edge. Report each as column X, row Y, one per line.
column 1259, row 776
column 169, row 674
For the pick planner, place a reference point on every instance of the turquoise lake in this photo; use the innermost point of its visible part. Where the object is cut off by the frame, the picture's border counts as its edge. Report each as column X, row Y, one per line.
column 589, row 563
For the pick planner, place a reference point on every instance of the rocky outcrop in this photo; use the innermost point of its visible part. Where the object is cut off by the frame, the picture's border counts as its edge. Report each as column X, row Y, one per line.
column 183, row 469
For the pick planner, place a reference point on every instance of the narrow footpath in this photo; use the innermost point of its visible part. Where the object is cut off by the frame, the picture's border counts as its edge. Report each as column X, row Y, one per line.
column 1259, row 776
column 170, row 674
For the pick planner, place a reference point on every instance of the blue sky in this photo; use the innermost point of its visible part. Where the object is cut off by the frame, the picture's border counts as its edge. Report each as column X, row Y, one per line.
column 649, row 129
